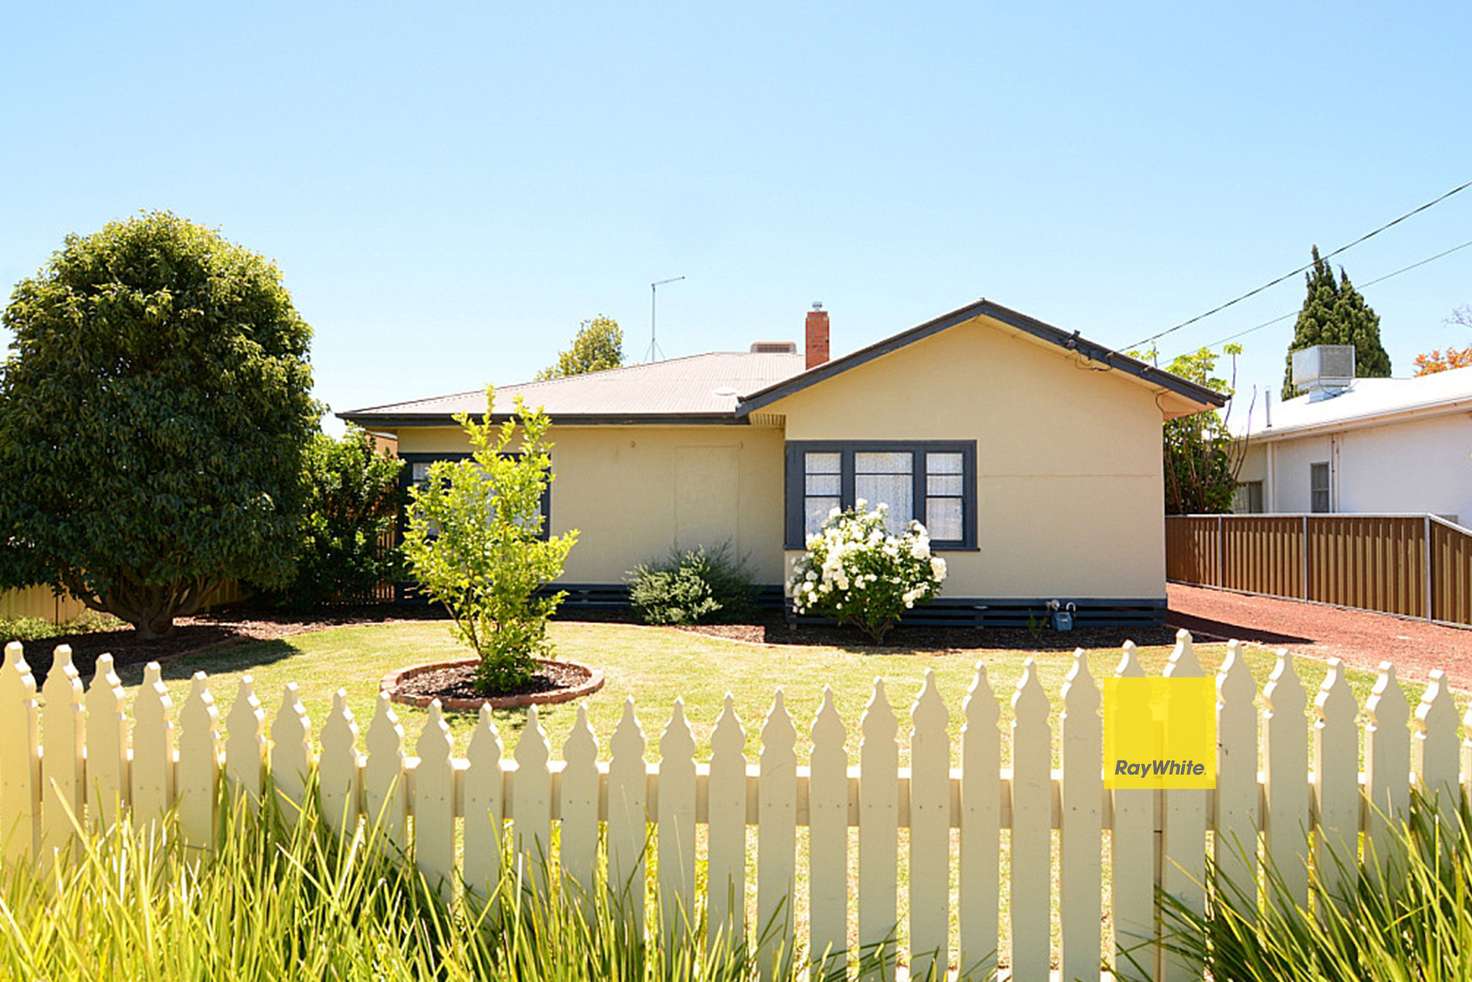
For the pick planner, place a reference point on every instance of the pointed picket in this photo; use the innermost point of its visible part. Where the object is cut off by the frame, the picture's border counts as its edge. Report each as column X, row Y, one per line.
column 828, row 837
column 930, row 833
column 979, row 898
column 245, row 744
column 1336, row 781
column 776, row 832
column 1387, row 772
column 107, row 745
column 726, row 805
column 1032, row 824
column 1183, row 843
column 1133, row 859
column 63, row 732
column 1435, row 754
column 434, row 804
column 578, row 850
column 199, row 763
column 627, row 816
column 1285, row 764
column 153, row 748
column 1234, row 844
column 484, row 807
column 879, row 811
column 531, row 804
column 676, row 830
column 338, row 766
column 291, row 753
column 385, row 792
column 20, row 760
column 1080, row 866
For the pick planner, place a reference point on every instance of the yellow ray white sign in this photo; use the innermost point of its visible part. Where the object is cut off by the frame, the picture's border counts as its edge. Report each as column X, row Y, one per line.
column 1160, row 733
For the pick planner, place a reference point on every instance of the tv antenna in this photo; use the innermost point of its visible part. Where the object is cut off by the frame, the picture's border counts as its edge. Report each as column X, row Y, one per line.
column 654, row 353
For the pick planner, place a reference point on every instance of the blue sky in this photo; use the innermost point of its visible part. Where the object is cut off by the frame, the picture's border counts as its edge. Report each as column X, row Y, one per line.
column 449, row 190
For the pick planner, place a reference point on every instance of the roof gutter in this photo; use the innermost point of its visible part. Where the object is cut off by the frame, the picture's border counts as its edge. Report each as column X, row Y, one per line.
column 410, row 420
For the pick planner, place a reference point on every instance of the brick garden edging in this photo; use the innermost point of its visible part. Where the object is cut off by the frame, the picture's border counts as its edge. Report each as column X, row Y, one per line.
column 391, row 682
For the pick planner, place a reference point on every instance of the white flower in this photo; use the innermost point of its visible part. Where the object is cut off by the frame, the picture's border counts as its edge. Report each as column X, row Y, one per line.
column 833, row 512
column 813, row 576
column 937, row 568
column 920, row 548
column 861, row 504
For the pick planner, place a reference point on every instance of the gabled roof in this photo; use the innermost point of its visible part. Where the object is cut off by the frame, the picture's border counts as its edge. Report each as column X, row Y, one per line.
column 1365, row 402
column 985, row 308
column 727, row 386
column 694, row 389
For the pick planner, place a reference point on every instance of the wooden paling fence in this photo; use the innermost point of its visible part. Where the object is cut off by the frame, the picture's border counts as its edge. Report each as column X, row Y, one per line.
column 1411, row 565
column 84, row 752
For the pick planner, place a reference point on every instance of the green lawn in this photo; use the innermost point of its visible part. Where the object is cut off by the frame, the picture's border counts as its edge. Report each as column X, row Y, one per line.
column 654, row 666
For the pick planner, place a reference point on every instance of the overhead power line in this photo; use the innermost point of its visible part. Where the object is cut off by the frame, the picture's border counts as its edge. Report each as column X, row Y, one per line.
column 1379, row 279
column 1291, row 273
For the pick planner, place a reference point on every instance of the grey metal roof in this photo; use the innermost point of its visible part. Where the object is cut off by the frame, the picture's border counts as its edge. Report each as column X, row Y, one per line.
column 727, row 386
column 697, row 388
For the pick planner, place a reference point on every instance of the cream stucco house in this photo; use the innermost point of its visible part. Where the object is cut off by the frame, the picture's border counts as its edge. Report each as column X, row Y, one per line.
column 1032, row 454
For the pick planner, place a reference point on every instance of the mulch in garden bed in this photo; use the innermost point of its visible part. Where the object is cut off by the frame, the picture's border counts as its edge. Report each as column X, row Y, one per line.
column 458, row 681
column 775, row 630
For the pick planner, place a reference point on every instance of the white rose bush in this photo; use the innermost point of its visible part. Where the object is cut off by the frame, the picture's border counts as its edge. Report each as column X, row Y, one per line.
column 858, row 572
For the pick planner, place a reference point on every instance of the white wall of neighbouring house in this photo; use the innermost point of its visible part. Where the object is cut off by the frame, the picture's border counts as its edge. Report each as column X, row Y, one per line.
column 1421, row 465
column 1417, row 466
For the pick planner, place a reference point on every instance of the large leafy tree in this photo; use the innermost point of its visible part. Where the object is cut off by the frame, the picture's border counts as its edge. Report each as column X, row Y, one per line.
column 153, row 413
column 599, row 344
column 1334, row 312
column 1201, row 459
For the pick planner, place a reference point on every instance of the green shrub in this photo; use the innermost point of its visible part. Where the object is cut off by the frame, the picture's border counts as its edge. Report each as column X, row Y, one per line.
column 858, row 572
column 475, row 544
column 294, row 901
column 352, row 504
column 691, row 587
column 39, row 628
column 1415, row 923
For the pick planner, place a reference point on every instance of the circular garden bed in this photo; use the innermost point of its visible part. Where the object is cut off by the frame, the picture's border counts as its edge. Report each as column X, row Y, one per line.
column 453, row 684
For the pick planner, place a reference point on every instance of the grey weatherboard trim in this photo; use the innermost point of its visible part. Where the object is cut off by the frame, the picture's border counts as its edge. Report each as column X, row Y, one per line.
column 1029, row 325
column 794, row 534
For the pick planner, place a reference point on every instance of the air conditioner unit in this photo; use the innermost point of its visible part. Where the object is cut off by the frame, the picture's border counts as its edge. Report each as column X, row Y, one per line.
column 1324, row 368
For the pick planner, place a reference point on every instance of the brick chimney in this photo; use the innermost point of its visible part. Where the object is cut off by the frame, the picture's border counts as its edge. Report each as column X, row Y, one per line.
column 817, row 336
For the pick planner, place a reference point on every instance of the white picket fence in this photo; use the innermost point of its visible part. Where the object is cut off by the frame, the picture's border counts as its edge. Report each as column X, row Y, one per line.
column 95, row 758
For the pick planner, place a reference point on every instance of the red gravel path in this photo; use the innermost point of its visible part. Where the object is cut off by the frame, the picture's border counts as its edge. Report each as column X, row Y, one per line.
column 1359, row 637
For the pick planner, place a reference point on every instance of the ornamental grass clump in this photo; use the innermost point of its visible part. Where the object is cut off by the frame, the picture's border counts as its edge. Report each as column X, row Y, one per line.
column 858, row 572
column 282, row 896
column 1411, row 919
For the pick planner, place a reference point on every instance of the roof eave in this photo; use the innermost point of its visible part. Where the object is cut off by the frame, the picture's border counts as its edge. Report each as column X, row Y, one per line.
column 1012, row 318
column 407, row 420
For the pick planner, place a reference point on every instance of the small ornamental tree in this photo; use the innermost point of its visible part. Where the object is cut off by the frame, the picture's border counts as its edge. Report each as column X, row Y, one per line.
column 1438, row 360
column 351, row 507
column 476, row 544
column 153, row 413
column 1201, row 459
column 858, row 572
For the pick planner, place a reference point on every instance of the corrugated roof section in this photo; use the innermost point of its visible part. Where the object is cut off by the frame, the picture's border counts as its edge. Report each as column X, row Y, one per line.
column 1367, row 399
column 707, row 384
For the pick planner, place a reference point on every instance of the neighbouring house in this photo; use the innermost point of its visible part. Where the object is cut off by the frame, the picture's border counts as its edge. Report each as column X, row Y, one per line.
column 1032, row 454
column 1376, row 445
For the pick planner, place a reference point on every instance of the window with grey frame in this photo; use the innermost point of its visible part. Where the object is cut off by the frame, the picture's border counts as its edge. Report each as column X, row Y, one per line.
column 416, row 472
column 1320, row 499
column 932, row 481
column 1247, row 500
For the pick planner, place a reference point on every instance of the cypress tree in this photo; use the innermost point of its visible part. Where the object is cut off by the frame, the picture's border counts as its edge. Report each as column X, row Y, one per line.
column 1334, row 312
